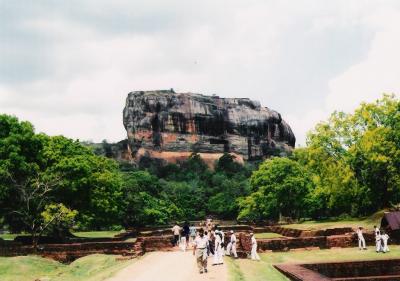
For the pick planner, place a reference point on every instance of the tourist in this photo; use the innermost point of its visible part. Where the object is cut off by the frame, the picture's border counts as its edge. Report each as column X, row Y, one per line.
column 228, row 248
column 376, row 230
column 200, row 251
column 378, row 241
column 176, row 230
column 218, row 248
column 231, row 247
column 254, row 255
column 183, row 242
column 192, row 232
column 385, row 238
column 211, row 243
column 186, row 232
column 209, row 225
column 377, row 238
column 223, row 245
column 361, row 240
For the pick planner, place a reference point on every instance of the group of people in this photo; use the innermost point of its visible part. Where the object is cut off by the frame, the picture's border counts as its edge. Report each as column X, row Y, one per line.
column 381, row 240
column 183, row 235
column 209, row 242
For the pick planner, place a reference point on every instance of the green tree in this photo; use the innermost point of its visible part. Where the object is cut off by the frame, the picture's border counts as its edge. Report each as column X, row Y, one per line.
column 144, row 201
column 19, row 156
column 226, row 188
column 58, row 169
column 280, row 187
column 227, row 164
column 353, row 159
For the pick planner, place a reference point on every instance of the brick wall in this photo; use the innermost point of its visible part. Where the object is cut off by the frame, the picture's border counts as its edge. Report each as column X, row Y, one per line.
column 358, row 268
column 70, row 252
column 287, row 243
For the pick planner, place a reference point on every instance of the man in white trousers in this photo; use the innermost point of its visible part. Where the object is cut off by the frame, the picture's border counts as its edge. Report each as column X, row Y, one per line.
column 385, row 238
column 232, row 245
column 183, row 244
column 254, row 255
column 378, row 242
column 218, row 249
column 200, row 251
column 361, row 240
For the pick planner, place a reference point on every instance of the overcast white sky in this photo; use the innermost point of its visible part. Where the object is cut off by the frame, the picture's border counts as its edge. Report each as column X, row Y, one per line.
column 67, row 66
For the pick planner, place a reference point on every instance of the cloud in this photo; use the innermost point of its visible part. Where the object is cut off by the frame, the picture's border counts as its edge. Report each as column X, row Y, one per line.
column 67, row 67
column 378, row 73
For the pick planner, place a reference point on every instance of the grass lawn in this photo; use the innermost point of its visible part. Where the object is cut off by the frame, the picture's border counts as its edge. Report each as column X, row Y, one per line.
column 245, row 269
column 89, row 268
column 367, row 223
column 11, row 236
column 248, row 270
column 267, row 235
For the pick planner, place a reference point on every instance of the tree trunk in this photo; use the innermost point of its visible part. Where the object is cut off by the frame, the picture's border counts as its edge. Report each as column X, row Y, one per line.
column 35, row 242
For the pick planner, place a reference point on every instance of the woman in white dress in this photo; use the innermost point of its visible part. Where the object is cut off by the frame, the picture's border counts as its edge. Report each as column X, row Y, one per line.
column 254, row 255
column 218, row 249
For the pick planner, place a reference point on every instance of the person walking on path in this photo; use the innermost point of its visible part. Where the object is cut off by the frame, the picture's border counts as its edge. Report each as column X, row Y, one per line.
column 223, row 245
column 211, row 243
column 192, row 232
column 385, row 238
column 361, row 240
column 186, row 232
column 176, row 230
column 231, row 248
column 200, row 251
column 183, row 241
column 218, row 248
column 254, row 255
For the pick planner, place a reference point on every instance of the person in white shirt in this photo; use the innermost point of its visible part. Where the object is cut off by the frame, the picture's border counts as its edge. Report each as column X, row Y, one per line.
column 183, row 243
column 361, row 240
column 385, row 238
column 176, row 230
column 376, row 230
column 218, row 249
column 254, row 255
column 223, row 245
column 233, row 245
column 378, row 242
column 228, row 248
column 192, row 232
column 200, row 251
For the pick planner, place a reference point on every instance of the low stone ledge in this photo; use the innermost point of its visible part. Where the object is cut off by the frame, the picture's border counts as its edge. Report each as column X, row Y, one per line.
column 156, row 243
column 299, row 273
column 354, row 269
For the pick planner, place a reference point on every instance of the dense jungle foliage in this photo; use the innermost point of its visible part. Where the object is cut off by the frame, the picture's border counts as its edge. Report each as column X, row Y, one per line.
column 350, row 166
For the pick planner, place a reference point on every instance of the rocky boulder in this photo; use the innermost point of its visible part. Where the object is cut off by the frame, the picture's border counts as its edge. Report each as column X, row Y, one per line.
column 170, row 126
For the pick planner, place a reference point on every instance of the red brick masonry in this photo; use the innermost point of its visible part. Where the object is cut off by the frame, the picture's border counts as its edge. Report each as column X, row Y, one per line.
column 71, row 251
column 345, row 271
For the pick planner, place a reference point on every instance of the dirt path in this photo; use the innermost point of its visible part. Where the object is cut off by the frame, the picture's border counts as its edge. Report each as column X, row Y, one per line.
column 169, row 266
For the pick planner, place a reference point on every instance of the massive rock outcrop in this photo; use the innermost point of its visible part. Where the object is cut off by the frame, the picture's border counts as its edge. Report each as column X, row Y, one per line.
column 170, row 126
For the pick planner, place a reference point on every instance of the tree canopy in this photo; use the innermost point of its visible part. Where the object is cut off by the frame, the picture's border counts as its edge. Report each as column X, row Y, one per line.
column 350, row 166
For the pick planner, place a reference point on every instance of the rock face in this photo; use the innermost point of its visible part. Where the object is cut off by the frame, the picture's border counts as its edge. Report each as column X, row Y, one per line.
column 170, row 126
